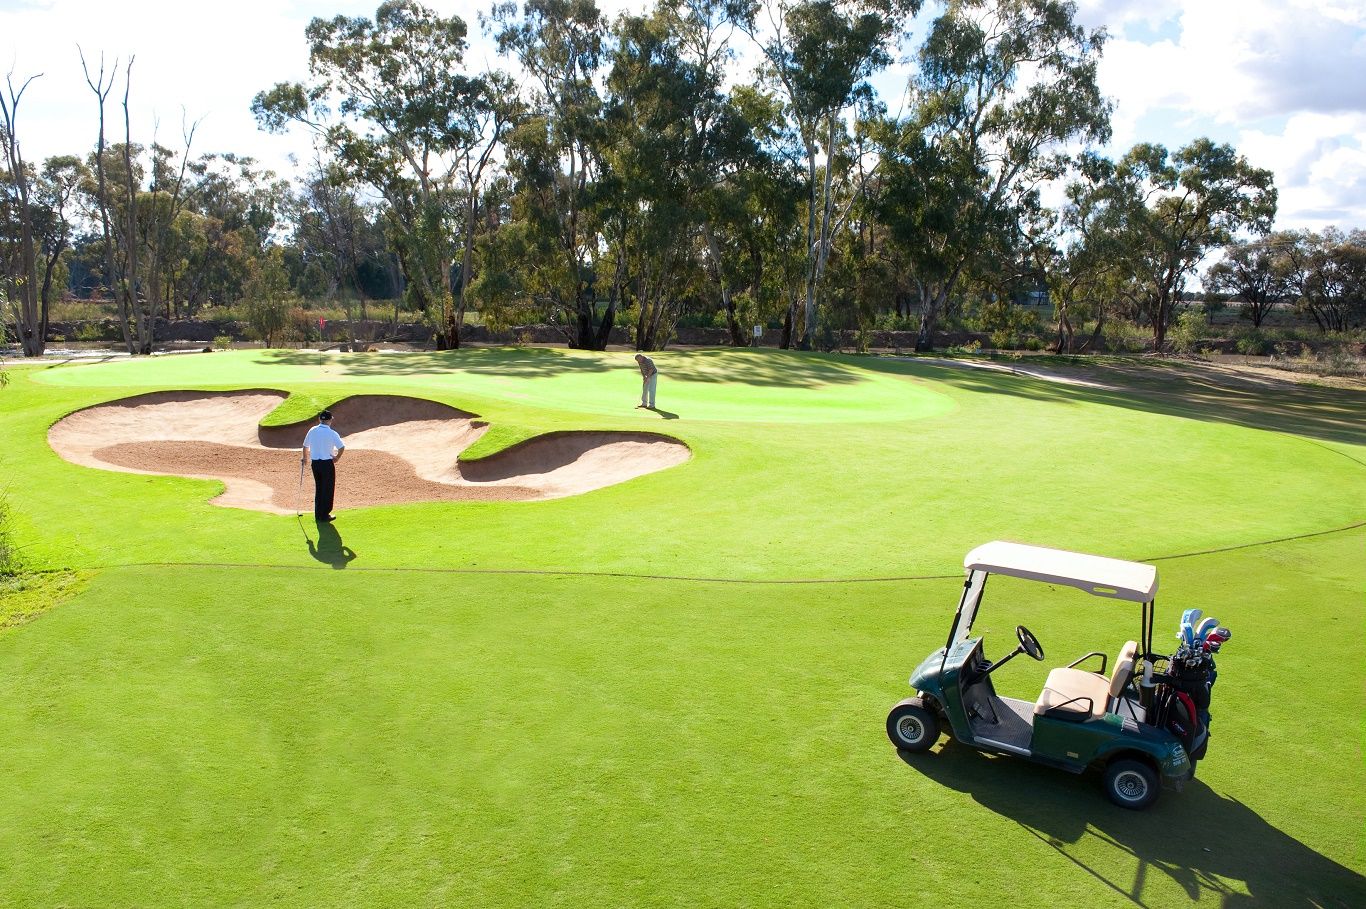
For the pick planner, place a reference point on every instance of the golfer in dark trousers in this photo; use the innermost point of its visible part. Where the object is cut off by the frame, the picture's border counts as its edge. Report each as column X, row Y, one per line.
column 323, row 448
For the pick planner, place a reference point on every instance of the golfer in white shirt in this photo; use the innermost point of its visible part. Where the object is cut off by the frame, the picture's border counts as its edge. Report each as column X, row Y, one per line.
column 323, row 448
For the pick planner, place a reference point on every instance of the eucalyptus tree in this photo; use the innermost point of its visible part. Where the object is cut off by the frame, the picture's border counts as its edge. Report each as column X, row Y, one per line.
column 22, row 278
column 675, row 145
column 329, row 221
column 56, row 191
column 553, row 256
column 1325, row 273
column 390, row 100
column 234, row 206
column 1249, row 274
column 731, row 139
column 1167, row 211
column 162, row 207
column 1076, row 252
column 753, row 219
column 1002, row 88
column 649, row 181
column 819, row 55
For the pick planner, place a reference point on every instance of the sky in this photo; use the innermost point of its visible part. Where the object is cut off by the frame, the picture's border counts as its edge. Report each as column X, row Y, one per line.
column 1283, row 81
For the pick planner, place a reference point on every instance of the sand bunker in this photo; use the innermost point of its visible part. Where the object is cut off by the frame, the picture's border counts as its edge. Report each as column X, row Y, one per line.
column 398, row 449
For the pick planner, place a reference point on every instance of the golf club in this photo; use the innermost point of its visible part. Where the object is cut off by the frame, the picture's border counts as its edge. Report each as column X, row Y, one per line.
column 299, row 494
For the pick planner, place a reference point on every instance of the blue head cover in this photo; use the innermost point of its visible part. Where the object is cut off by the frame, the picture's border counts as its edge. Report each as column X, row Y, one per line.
column 1187, row 633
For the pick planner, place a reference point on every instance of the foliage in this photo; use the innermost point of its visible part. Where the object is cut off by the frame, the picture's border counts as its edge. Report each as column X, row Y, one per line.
column 222, row 342
column 1165, row 211
column 1325, row 275
column 1192, row 326
column 962, row 170
column 267, row 297
column 1250, row 273
column 90, row 331
column 390, row 101
column 1253, row 343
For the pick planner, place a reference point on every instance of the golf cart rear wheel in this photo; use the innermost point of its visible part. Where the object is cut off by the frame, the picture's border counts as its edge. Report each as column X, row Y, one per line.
column 1131, row 784
column 912, row 727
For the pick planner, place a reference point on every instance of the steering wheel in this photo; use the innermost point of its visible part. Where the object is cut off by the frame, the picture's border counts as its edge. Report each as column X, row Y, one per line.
column 1028, row 643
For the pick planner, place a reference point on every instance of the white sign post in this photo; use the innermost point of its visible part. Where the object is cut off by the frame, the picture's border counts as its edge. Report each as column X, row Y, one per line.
column 758, row 334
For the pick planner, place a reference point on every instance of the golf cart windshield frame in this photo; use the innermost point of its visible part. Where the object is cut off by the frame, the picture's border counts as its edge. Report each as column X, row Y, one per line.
column 1096, row 575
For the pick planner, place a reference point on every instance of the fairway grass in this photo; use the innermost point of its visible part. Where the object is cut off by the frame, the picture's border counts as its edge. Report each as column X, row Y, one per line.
column 507, row 704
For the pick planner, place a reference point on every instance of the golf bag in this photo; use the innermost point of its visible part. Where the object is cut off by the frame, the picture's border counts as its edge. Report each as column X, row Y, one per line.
column 1181, row 701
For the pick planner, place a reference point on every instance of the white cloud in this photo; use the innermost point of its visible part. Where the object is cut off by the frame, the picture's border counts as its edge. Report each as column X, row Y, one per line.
column 1232, row 67
column 1320, row 166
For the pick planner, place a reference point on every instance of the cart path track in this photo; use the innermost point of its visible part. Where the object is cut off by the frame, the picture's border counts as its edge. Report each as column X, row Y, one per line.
column 637, row 576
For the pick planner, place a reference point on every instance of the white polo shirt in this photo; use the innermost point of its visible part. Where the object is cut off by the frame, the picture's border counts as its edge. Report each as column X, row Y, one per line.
column 320, row 441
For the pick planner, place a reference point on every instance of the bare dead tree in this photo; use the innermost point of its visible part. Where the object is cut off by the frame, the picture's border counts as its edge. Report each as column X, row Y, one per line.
column 102, row 90
column 142, row 316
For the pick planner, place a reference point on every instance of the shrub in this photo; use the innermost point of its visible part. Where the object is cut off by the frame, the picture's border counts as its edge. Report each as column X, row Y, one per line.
column 9, row 560
column 890, row 321
column 1122, row 337
column 1253, row 343
column 89, row 331
column 268, row 318
column 1191, row 326
column 222, row 342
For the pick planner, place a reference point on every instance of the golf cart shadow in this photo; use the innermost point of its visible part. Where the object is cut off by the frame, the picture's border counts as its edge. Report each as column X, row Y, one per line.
column 1203, row 841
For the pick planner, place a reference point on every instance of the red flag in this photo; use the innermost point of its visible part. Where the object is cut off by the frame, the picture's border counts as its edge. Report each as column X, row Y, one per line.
column 321, row 323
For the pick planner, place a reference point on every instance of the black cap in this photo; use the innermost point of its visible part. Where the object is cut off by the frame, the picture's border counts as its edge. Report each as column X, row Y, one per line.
column 325, row 416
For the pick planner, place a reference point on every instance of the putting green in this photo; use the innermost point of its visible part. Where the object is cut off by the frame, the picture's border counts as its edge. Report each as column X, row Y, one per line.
column 512, row 703
column 765, row 387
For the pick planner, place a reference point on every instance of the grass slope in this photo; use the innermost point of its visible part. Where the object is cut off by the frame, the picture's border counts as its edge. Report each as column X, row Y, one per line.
column 305, row 736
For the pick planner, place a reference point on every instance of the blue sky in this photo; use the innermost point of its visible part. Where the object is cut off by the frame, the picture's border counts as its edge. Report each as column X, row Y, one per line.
column 1283, row 81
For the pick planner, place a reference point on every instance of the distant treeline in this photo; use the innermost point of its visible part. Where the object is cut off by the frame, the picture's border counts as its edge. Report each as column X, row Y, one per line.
column 634, row 172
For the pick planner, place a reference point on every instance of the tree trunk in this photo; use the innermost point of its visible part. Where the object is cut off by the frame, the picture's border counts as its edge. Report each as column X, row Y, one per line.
column 931, row 302
column 1095, row 334
column 737, row 335
column 822, row 253
column 45, row 295
column 34, row 340
column 130, row 278
column 466, row 263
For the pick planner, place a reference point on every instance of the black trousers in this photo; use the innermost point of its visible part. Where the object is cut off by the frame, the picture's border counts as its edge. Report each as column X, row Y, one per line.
column 325, row 484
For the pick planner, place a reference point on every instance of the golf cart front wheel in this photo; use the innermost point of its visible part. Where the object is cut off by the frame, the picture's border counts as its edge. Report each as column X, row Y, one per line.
column 912, row 727
column 1131, row 784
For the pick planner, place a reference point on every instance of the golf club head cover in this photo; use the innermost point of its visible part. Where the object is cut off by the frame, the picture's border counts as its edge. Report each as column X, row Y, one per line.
column 1205, row 627
column 1187, row 633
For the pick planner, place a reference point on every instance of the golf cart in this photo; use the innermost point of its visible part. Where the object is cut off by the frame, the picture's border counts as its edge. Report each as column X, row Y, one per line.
column 1144, row 722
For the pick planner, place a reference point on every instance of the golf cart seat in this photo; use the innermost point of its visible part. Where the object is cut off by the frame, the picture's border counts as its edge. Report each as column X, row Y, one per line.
column 1076, row 694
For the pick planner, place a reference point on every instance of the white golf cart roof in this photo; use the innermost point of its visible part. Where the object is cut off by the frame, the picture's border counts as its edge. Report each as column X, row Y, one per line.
column 1096, row 575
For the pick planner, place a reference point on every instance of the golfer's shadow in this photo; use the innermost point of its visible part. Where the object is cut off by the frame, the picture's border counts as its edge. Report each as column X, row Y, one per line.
column 330, row 548
column 1199, row 838
column 665, row 414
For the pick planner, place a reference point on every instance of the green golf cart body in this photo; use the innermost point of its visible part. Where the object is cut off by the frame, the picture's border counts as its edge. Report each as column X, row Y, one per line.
column 1083, row 718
